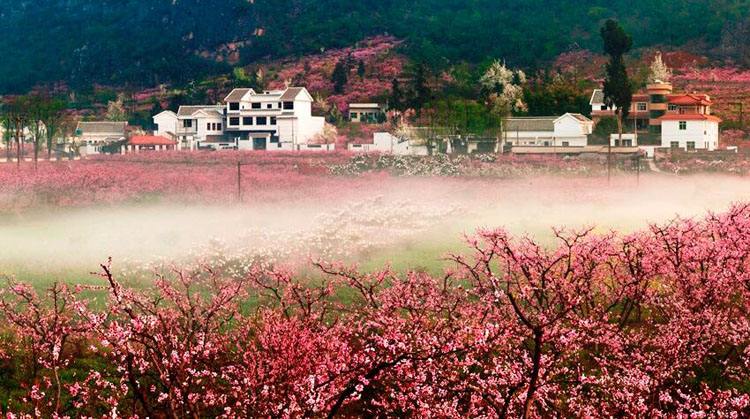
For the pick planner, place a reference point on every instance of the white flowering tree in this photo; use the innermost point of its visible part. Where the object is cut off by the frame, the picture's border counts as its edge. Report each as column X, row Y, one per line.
column 503, row 90
column 659, row 71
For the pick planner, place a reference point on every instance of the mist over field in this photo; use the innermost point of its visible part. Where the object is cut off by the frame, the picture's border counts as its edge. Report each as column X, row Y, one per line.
column 394, row 219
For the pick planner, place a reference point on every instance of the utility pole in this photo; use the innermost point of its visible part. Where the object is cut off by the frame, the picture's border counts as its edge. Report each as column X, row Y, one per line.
column 239, row 181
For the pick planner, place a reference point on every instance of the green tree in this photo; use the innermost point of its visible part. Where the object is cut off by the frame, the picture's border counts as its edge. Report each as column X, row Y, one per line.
column 340, row 77
column 420, row 89
column 618, row 90
column 604, row 129
column 397, row 101
column 361, row 69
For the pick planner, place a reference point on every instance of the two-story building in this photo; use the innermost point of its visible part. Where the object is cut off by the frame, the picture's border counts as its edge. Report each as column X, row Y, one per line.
column 273, row 120
column 193, row 127
column 660, row 118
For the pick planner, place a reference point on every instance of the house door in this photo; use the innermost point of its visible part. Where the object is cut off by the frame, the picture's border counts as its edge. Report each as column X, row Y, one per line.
column 259, row 143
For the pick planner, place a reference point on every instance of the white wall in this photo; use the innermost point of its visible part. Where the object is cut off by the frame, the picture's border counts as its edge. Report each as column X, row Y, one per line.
column 536, row 138
column 166, row 123
column 569, row 126
column 385, row 142
column 705, row 134
column 202, row 129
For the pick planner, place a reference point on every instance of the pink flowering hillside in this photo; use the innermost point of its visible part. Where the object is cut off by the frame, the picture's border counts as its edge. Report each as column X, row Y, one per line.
column 381, row 63
column 650, row 324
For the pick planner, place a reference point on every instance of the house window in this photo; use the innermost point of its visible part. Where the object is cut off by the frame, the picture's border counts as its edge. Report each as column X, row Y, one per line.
column 641, row 107
column 683, row 125
column 262, row 120
column 218, row 126
column 674, row 144
column 288, row 105
column 691, row 145
column 673, row 107
column 566, row 144
column 208, row 126
column 627, row 143
column 234, row 106
column 353, row 115
column 256, row 105
column 234, row 121
column 269, row 106
column 187, row 123
column 248, row 120
column 273, row 120
column 603, row 107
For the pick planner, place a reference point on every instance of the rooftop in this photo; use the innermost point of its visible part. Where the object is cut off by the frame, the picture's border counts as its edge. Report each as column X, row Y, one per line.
column 543, row 123
column 106, row 127
column 150, row 140
column 190, row 110
column 690, row 117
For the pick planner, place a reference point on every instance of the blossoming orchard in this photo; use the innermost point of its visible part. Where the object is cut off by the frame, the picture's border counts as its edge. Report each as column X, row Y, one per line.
column 502, row 288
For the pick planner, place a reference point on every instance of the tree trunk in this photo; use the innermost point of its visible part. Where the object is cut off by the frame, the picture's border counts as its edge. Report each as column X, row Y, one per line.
column 535, row 367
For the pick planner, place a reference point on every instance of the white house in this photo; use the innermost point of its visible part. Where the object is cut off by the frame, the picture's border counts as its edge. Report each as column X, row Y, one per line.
column 690, row 131
column 569, row 130
column 93, row 135
column 273, row 120
column 166, row 124
column 192, row 126
column 368, row 113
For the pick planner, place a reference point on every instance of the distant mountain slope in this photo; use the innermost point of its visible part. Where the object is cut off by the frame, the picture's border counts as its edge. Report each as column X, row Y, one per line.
column 144, row 42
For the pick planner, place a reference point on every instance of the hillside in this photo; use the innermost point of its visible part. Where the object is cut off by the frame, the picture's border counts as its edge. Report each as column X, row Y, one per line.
column 141, row 43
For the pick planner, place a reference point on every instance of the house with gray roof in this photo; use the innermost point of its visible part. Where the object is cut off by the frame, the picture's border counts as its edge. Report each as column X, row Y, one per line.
column 273, row 120
column 569, row 130
column 190, row 126
column 247, row 120
column 93, row 135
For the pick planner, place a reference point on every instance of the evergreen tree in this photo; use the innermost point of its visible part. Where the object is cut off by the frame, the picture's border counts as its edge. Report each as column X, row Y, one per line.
column 397, row 100
column 339, row 77
column 361, row 69
column 618, row 90
column 421, row 93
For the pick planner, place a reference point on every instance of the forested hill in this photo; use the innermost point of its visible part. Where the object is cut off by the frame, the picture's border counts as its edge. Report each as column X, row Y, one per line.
column 145, row 42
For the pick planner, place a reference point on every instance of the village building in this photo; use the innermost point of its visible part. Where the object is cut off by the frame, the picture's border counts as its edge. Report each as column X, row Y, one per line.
column 660, row 118
column 568, row 130
column 192, row 126
column 141, row 143
column 367, row 113
column 269, row 120
column 92, row 136
column 273, row 120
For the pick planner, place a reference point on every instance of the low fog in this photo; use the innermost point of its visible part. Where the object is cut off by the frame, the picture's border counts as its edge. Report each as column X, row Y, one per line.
column 393, row 213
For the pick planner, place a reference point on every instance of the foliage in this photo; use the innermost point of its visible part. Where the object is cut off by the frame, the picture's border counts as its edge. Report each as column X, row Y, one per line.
column 649, row 324
column 149, row 42
column 340, row 77
column 503, row 89
column 555, row 94
column 659, row 71
column 618, row 90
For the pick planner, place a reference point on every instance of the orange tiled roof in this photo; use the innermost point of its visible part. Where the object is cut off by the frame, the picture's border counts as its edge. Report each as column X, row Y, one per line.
column 690, row 117
column 150, row 140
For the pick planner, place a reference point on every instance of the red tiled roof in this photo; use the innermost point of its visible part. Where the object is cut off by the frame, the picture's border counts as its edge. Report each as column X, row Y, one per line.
column 689, row 99
column 689, row 117
column 150, row 140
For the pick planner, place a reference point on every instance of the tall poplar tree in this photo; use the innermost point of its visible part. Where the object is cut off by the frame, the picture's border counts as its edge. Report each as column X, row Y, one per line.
column 618, row 90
